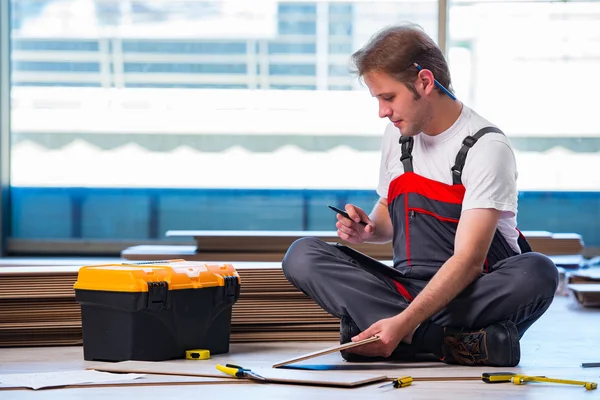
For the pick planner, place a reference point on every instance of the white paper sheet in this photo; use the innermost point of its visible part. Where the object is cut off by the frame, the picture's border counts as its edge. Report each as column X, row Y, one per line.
column 62, row 378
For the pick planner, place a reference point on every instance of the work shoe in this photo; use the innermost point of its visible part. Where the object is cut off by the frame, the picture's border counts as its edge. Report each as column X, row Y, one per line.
column 348, row 330
column 497, row 345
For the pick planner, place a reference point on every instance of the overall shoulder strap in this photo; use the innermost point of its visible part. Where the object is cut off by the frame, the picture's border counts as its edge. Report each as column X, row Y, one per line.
column 461, row 157
column 406, row 158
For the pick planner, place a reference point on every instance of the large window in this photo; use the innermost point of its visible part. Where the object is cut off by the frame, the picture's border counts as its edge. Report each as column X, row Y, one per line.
column 133, row 117
column 130, row 117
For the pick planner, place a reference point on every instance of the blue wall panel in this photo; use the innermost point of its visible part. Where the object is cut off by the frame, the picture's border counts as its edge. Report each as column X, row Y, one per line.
column 320, row 217
column 60, row 213
column 114, row 215
column 229, row 210
column 43, row 213
column 562, row 212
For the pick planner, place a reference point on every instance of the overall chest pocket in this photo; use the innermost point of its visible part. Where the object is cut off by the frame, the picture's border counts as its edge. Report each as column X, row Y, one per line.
column 431, row 236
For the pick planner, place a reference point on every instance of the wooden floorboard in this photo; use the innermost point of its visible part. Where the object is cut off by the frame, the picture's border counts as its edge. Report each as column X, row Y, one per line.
column 563, row 338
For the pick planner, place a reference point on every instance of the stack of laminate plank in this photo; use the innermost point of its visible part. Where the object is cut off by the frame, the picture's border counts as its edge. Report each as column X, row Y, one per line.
column 241, row 246
column 271, row 309
column 272, row 245
column 38, row 307
column 584, row 286
column 553, row 244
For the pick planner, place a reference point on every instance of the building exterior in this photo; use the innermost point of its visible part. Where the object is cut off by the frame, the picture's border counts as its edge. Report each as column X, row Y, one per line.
column 126, row 44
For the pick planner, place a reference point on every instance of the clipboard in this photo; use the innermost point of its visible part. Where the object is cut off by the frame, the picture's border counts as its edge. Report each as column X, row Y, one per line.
column 368, row 262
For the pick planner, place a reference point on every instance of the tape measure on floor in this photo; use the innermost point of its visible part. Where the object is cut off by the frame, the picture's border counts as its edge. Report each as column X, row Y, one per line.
column 198, row 354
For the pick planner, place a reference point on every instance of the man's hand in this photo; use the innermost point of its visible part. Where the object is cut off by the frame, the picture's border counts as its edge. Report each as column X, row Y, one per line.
column 352, row 231
column 390, row 331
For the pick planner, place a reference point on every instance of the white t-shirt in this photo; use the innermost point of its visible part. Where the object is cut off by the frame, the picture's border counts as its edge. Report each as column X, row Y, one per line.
column 489, row 175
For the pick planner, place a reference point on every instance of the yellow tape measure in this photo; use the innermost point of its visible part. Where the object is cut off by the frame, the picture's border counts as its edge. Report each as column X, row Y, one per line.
column 198, row 354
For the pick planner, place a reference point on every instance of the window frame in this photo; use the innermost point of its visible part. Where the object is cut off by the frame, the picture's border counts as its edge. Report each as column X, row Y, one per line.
column 5, row 39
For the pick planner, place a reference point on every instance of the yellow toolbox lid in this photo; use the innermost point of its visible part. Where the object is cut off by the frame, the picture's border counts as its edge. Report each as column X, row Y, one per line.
column 135, row 277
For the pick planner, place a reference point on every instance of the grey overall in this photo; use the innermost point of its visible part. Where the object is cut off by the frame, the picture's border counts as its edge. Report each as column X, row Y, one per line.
column 425, row 214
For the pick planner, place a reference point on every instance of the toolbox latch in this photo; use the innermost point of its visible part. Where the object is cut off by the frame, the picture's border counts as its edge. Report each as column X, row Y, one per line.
column 157, row 295
column 232, row 288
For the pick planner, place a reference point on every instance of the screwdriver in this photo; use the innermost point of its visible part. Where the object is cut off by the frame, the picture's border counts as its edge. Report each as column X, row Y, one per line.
column 400, row 382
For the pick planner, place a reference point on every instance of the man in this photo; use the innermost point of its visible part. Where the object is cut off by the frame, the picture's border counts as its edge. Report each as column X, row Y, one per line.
column 467, row 285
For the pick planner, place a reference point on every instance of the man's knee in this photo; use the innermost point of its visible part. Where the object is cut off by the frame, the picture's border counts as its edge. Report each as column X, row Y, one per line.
column 538, row 274
column 300, row 259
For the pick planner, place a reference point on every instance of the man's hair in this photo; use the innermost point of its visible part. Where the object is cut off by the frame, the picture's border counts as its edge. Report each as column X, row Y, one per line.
column 395, row 49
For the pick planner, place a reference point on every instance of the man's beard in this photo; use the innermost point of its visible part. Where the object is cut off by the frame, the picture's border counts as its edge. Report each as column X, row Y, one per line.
column 421, row 118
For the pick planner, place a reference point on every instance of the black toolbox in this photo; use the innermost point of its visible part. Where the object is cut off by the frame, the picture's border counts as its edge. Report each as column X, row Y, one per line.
column 155, row 311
